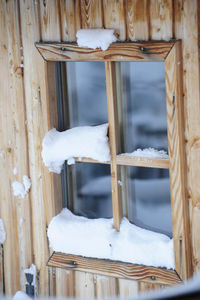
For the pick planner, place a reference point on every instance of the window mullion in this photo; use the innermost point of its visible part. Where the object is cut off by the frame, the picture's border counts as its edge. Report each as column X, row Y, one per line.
column 114, row 145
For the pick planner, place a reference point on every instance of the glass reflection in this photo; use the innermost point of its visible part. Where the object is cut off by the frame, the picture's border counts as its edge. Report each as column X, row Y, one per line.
column 148, row 194
column 92, row 190
column 142, row 105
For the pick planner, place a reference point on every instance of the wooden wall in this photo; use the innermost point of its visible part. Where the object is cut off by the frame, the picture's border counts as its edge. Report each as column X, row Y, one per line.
column 24, row 117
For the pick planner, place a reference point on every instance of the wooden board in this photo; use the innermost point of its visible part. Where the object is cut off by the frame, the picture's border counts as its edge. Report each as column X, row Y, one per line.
column 177, row 160
column 146, row 51
column 142, row 162
column 114, row 269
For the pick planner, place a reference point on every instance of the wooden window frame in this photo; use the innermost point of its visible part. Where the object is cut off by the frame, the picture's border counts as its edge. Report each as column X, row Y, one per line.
column 170, row 53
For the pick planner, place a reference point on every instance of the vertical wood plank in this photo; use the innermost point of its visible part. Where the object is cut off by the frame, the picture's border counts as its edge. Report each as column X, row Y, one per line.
column 145, row 287
column 137, row 19
column 84, row 285
column 106, row 287
column 91, row 14
column 161, row 19
column 176, row 146
column 114, row 17
column 186, row 22
column 38, row 103
column 1, row 271
column 50, row 20
column 70, row 19
column 15, row 211
column 114, row 147
column 128, row 288
column 64, row 283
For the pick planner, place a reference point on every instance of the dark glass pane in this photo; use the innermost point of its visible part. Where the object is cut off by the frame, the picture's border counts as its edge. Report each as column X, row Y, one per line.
column 86, row 93
column 148, row 194
column 92, row 190
column 142, row 105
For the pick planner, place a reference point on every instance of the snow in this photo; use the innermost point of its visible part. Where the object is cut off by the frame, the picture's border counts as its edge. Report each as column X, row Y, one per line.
column 2, row 232
column 31, row 270
column 20, row 295
column 15, row 171
column 97, row 238
column 20, row 189
column 95, row 38
column 84, row 141
column 148, row 152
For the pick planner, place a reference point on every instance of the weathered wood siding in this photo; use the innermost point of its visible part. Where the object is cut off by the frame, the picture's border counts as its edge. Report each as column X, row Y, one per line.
column 24, row 117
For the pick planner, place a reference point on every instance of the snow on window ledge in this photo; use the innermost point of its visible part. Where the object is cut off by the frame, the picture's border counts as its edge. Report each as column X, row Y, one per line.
column 84, row 141
column 148, row 152
column 95, row 38
column 97, row 238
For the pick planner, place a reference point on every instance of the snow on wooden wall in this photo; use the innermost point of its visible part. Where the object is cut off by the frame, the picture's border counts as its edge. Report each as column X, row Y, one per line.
column 24, row 115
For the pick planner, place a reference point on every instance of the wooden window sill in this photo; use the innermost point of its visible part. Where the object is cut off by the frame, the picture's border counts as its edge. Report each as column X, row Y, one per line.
column 115, row 269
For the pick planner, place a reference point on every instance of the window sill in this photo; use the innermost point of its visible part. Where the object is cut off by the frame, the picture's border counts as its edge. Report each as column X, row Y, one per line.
column 114, row 268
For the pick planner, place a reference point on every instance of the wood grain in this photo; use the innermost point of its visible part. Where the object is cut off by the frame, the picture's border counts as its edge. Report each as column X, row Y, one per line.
column 142, row 162
column 114, row 144
column 187, row 21
column 15, row 211
column 146, row 51
column 177, row 159
column 161, row 19
column 114, row 269
column 114, row 17
column 91, row 14
column 70, row 19
column 137, row 20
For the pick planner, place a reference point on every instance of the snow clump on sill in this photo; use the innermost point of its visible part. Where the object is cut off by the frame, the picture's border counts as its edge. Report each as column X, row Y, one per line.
column 20, row 295
column 97, row 238
column 2, row 232
column 20, row 189
column 95, row 38
column 148, row 152
column 84, row 141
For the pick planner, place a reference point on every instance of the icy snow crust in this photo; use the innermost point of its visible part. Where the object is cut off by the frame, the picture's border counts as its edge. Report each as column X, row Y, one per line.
column 95, row 38
column 97, row 238
column 148, row 152
column 84, row 141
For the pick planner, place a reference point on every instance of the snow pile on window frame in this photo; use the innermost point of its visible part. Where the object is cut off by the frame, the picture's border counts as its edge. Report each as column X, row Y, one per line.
column 148, row 152
column 95, row 38
column 97, row 238
column 20, row 189
column 2, row 232
column 84, row 141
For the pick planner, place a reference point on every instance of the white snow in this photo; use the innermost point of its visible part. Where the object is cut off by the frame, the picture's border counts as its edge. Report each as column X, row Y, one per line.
column 20, row 295
column 20, row 189
column 27, row 183
column 97, row 238
column 31, row 270
column 71, row 161
column 84, row 141
column 15, row 171
column 148, row 152
column 95, row 38
column 2, row 232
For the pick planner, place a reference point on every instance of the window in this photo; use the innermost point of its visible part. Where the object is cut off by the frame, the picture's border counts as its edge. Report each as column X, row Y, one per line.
column 169, row 52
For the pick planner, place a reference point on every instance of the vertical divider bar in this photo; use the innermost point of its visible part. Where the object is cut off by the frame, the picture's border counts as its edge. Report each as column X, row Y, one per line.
column 114, row 144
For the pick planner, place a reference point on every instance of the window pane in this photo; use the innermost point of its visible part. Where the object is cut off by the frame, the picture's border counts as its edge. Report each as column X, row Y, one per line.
column 142, row 105
column 92, row 190
column 148, row 194
column 86, row 93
